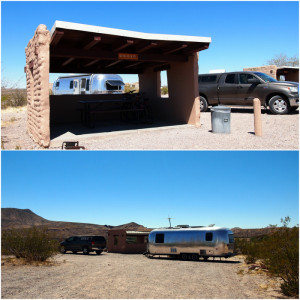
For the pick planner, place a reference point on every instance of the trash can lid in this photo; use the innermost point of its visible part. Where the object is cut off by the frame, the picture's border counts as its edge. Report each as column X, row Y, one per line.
column 221, row 108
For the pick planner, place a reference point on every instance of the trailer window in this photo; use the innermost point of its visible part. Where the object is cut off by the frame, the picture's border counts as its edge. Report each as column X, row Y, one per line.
column 208, row 236
column 83, row 81
column 71, row 84
column 231, row 238
column 113, row 85
column 159, row 238
column 57, row 84
column 87, row 85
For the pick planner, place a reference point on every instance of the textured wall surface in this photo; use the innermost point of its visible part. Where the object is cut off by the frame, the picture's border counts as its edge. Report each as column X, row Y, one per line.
column 183, row 103
column 116, row 242
column 37, row 77
column 270, row 70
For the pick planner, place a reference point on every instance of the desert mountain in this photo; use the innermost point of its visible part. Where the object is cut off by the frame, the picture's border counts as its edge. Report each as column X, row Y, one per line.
column 25, row 218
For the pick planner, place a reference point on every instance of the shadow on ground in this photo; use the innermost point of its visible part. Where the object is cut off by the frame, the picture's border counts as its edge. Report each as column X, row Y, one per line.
column 216, row 260
column 78, row 130
column 249, row 110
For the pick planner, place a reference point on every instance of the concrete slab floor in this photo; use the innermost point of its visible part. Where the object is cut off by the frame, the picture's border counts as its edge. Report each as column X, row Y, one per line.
column 104, row 129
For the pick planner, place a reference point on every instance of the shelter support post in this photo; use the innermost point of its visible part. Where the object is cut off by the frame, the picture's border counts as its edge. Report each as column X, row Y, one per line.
column 183, row 104
column 37, row 84
column 149, row 83
column 183, row 90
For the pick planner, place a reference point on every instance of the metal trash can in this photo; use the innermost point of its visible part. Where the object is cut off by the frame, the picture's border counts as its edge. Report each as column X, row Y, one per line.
column 220, row 119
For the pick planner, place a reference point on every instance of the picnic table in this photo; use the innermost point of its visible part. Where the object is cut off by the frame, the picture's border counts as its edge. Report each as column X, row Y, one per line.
column 93, row 107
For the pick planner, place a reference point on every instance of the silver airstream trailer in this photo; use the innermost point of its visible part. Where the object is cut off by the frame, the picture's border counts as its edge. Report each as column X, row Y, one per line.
column 88, row 84
column 190, row 243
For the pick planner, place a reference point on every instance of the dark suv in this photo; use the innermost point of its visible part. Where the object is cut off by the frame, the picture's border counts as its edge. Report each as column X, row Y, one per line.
column 86, row 244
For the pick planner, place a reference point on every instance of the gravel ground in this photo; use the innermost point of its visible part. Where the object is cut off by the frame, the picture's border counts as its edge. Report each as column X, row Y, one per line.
column 279, row 133
column 120, row 276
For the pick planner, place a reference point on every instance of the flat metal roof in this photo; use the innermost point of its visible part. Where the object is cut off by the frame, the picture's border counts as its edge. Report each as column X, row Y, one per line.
column 127, row 33
column 287, row 67
column 137, row 232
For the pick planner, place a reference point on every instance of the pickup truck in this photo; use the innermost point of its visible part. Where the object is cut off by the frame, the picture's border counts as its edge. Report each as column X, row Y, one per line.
column 240, row 88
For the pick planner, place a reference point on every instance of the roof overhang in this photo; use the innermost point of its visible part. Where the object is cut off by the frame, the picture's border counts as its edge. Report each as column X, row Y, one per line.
column 287, row 68
column 80, row 48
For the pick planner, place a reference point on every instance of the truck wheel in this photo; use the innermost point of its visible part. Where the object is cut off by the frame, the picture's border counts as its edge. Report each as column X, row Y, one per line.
column 74, row 252
column 85, row 251
column 184, row 256
column 195, row 257
column 98, row 252
column 279, row 105
column 63, row 250
column 203, row 104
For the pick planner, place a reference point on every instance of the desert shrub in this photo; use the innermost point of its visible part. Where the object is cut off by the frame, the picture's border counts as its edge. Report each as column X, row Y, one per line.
column 32, row 244
column 247, row 248
column 129, row 88
column 164, row 90
column 280, row 253
column 13, row 98
column 5, row 100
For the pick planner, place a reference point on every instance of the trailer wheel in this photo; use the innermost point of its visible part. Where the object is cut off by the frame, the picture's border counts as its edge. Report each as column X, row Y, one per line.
column 205, row 258
column 195, row 257
column 184, row 256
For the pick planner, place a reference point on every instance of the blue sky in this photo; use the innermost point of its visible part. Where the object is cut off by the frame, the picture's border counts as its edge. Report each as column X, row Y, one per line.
column 244, row 34
column 247, row 189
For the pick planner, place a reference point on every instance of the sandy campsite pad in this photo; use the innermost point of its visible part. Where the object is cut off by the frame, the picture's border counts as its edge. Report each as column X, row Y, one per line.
column 278, row 133
column 113, row 275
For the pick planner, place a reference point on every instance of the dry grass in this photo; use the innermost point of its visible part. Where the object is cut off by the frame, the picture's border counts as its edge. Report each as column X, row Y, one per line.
column 13, row 262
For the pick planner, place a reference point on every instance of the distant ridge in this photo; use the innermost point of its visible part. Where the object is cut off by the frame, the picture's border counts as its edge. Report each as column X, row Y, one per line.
column 25, row 218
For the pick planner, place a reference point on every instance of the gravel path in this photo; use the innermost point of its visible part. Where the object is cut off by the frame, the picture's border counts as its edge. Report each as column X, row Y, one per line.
column 279, row 133
column 113, row 275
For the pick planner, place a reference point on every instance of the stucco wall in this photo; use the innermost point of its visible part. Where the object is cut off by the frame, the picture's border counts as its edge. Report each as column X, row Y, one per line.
column 183, row 105
column 270, row 70
column 37, row 80
column 292, row 76
column 122, row 246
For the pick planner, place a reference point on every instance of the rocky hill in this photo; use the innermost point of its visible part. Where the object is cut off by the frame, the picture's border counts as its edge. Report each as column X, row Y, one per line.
column 25, row 218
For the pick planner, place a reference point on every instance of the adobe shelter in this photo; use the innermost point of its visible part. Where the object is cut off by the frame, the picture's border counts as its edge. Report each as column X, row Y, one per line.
column 85, row 49
column 287, row 72
column 130, row 242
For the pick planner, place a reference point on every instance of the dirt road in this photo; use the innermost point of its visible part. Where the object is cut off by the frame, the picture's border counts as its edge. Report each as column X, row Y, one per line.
column 113, row 275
